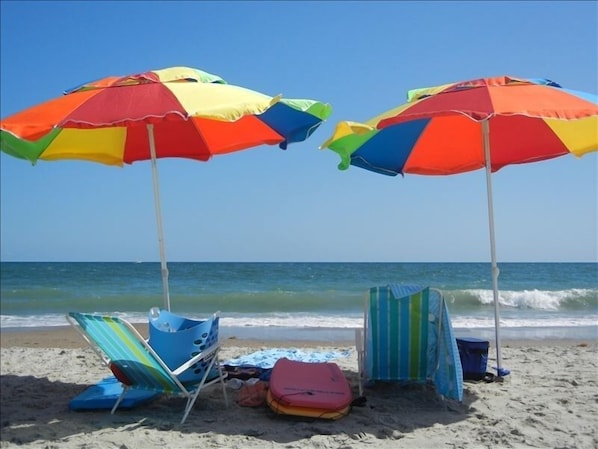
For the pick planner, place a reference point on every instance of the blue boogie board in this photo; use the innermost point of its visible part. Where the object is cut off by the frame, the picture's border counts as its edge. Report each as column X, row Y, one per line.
column 104, row 394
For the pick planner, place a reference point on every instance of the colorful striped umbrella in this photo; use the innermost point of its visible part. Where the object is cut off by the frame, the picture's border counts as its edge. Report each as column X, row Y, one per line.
column 174, row 112
column 464, row 126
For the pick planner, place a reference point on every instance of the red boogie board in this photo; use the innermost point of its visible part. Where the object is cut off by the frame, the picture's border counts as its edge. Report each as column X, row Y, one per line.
column 317, row 390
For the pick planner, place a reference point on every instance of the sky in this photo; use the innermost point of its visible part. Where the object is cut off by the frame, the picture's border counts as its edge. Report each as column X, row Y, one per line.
column 268, row 204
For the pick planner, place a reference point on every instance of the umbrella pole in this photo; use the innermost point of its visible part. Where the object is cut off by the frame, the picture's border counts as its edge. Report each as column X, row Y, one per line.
column 495, row 271
column 152, row 145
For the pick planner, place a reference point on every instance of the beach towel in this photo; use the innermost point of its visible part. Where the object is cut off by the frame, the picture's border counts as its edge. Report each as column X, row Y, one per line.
column 267, row 358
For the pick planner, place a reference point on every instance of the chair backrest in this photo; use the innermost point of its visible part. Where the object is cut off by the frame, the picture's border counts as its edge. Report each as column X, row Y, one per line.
column 409, row 337
column 178, row 339
column 128, row 356
column 397, row 333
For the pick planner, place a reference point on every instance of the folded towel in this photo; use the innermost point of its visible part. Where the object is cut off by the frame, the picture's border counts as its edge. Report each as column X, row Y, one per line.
column 268, row 357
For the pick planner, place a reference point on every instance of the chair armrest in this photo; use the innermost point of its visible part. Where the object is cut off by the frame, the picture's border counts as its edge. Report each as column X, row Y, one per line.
column 206, row 354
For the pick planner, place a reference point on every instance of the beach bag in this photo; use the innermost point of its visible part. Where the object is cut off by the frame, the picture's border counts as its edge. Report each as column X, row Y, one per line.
column 474, row 358
column 252, row 394
column 177, row 339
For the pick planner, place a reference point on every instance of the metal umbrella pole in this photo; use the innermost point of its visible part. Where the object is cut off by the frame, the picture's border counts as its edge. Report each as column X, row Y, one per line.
column 494, row 267
column 152, row 144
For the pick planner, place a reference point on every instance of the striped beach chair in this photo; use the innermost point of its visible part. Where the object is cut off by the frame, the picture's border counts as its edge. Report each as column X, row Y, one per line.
column 138, row 366
column 408, row 337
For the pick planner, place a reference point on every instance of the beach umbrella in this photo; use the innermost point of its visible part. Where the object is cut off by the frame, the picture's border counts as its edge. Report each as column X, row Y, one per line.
column 173, row 112
column 459, row 127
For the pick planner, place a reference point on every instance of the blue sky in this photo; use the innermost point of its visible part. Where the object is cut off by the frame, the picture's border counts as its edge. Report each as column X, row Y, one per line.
column 266, row 204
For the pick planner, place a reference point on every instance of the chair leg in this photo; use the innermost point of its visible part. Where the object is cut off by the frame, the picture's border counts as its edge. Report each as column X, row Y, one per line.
column 359, row 344
column 190, row 402
column 222, row 382
column 193, row 397
column 119, row 400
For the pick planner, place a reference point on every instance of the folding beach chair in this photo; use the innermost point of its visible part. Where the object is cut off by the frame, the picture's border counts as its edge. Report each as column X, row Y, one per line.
column 408, row 337
column 138, row 366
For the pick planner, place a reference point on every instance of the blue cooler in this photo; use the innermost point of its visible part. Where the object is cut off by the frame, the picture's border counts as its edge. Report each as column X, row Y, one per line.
column 474, row 357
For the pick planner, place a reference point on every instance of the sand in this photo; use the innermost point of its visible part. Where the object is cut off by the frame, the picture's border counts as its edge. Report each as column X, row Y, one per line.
column 550, row 400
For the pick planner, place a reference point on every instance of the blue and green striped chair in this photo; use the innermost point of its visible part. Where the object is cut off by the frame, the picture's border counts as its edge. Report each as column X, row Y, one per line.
column 408, row 337
column 137, row 365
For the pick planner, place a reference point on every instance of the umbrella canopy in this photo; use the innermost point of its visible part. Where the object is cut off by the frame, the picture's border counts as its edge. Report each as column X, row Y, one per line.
column 194, row 115
column 459, row 127
column 174, row 112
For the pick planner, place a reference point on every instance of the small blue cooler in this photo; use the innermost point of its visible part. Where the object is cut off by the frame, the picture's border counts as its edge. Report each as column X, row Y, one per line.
column 474, row 357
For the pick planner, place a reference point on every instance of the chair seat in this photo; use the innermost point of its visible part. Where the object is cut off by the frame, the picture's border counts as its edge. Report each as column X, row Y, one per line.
column 105, row 393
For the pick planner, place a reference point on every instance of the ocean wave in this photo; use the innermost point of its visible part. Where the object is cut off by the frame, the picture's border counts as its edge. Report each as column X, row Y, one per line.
column 574, row 299
column 284, row 301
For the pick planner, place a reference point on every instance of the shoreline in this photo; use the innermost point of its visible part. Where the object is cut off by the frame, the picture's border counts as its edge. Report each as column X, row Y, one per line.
column 66, row 337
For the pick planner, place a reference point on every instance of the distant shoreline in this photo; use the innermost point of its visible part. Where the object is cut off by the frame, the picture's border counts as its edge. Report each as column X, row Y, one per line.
column 65, row 336
column 302, row 262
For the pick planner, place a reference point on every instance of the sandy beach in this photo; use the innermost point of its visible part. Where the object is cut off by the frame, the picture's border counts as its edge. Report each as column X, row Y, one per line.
column 550, row 400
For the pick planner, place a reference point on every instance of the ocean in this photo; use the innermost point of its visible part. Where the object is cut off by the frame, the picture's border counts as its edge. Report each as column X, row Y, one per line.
column 304, row 301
